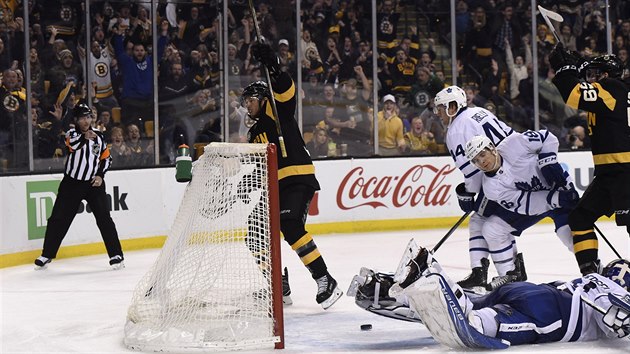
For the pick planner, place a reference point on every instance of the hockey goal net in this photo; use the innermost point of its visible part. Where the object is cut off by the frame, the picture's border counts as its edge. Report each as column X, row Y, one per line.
column 217, row 281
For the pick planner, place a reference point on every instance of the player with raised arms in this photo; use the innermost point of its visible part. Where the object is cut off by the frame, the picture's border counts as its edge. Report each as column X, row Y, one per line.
column 296, row 172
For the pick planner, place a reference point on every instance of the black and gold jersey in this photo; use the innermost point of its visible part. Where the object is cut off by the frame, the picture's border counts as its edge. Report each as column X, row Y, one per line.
column 297, row 167
column 607, row 102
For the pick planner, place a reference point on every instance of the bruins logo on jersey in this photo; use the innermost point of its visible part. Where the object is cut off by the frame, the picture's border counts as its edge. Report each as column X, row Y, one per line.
column 66, row 13
column 101, row 70
column 11, row 103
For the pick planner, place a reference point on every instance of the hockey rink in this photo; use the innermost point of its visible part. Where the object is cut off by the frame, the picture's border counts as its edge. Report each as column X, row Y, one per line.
column 79, row 305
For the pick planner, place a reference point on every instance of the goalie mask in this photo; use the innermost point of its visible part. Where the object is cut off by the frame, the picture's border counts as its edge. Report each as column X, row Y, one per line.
column 258, row 90
column 619, row 272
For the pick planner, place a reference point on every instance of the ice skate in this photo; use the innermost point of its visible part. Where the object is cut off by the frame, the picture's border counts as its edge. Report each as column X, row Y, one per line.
column 117, row 262
column 519, row 264
column 510, row 277
column 328, row 292
column 286, row 289
column 42, row 262
column 477, row 281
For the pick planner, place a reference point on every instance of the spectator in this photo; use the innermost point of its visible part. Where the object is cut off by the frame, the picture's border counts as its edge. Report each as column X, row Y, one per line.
column 354, row 119
column 577, row 132
column 390, row 129
column 425, row 87
column 318, row 146
column 13, row 122
column 66, row 70
column 493, row 84
column 418, row 140
column 286, row 57
column 105, row 124
column 567, row 38
column 517, row 67
column 137, row 71
column 387, row 18
column 141, row 151
column 506, row 26
column 62, row 111
column 478, row 44
column 349, row 55
column 100, row 62
column 121, row 153
column 546, row 41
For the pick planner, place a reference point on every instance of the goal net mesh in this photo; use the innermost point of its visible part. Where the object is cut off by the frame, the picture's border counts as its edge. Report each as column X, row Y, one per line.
column 211, row 286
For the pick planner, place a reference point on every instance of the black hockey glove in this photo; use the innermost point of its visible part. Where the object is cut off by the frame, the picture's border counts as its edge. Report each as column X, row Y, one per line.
column 466, row 199
column 263, row 53
column 561, row 59
column 551, row 169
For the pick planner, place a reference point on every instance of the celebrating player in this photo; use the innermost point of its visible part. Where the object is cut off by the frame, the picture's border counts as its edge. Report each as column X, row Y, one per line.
column 462, row 124
column 607, row 100
column 584, row 309
column 296, row 171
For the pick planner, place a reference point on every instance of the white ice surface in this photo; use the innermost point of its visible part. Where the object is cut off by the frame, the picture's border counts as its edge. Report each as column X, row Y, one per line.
column 79, row 305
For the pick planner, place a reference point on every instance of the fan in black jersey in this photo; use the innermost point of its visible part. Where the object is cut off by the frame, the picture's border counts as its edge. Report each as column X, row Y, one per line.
column 296, row 173
column 606, row 99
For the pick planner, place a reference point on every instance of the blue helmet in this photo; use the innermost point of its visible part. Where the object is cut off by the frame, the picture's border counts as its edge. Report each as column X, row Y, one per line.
column 619, row 272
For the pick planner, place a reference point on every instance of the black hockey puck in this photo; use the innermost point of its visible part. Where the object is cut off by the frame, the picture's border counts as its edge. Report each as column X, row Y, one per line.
column 366, row 327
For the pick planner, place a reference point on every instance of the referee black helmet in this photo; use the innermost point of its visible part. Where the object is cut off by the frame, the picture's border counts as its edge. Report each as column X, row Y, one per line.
column 81, row 110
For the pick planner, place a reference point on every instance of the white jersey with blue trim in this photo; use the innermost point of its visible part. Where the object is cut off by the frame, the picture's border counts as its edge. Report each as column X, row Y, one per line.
column 518, row 185
column 467, row 123
column 584, row 317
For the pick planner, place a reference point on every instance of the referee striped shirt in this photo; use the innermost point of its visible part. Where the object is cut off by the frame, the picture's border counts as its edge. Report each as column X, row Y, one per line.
column 87, row 158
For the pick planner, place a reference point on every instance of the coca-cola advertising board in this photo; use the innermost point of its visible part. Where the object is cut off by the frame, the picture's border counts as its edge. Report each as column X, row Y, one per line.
column 363, row 194
column 378, row 189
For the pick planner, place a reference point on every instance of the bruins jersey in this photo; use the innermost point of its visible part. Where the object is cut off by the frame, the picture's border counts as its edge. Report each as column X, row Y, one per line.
column 608, row 105
column 297, row 167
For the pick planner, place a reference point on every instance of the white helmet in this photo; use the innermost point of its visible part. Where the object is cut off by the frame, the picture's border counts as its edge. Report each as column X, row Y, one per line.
column 476, row 145
column 450, row 94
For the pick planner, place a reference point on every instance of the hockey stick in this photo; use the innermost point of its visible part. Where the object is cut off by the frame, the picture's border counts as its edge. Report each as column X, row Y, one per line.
column 547, row 15
column 607, row 242
column 450, row 232
column 274, row 109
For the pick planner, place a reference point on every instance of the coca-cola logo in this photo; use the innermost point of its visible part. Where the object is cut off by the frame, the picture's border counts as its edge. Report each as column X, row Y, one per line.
column 420, row 184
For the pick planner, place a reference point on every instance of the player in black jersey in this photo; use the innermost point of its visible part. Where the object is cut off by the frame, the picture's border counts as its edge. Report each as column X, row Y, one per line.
column 296, row 173
column 87, row 162
column 607, row 100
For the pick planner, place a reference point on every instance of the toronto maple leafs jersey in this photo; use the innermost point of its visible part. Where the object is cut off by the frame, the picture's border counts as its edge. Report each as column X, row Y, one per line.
column 468, row 123
column 518, row 185
column 584, row 322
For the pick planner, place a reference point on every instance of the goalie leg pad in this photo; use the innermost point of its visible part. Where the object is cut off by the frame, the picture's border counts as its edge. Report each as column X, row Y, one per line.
column 432, row 298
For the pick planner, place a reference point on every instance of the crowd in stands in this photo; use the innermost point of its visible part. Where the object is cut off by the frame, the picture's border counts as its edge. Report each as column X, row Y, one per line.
column 114, row 72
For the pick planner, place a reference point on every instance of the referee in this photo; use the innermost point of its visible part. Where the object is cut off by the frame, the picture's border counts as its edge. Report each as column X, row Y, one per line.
column 88, row 160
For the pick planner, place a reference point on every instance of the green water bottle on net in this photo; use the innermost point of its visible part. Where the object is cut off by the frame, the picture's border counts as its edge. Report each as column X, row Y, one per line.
column 183, row 164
